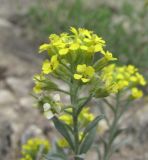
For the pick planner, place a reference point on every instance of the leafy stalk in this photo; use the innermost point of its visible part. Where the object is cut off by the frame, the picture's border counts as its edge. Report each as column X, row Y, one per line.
column 113, row 130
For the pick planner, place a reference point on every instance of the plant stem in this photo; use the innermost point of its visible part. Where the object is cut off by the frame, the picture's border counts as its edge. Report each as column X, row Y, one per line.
column 112, row 130
column 73, row 97
column 76, row 133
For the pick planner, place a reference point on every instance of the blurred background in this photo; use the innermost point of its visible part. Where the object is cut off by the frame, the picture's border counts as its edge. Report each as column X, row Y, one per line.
column 25, row 24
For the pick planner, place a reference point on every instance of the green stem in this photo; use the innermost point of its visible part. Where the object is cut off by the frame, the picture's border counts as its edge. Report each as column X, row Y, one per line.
column 112, row 131
column 76, row 133
column 63, row 91
column 73, row 97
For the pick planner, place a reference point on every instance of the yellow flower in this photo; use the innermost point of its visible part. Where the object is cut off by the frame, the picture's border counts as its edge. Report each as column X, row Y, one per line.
column 74, row 46
column 73, row 30
column 84, row 73
column 86, row 116
column 140, row 79
column 38, row 78
column 82, row 47
column 32, row 147
column 44, row 47
column 37, row 88
column 66, row 118
column 27, row 157
column 108, row 56
column 62, row 143
column 131, row 69
column 63, row 51
column 125, row 77
column 50, row 66
column 136, row 93
column 97, row 48
column 85, row 33
column 122, row 84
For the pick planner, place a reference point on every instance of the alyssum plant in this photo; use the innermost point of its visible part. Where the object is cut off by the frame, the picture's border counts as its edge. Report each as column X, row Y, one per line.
column 79, row 60
column 126, row 78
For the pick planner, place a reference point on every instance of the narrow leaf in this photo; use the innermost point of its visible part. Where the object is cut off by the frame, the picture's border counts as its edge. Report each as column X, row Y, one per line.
column 87, row 142
column 55, row 156
column 93, row 124
column 62, row 128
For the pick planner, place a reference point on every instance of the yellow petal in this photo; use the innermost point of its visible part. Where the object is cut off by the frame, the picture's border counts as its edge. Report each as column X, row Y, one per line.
column 66, row 118
column 85, row 80
column 63, row 51
column 136, row 93
column 77, row 76
column 46, row 67
column 81, row 68
column 97, row 48
column 85, row 48
column 54, row 58
column 133, row 78
column 109, row 56
column 74, row 46
column 37, row 89
column 54, row 62
column 90, row 71
column 73, row 30
column 44, row 47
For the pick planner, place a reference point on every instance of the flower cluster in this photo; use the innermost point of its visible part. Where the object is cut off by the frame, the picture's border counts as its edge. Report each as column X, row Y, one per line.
column 124, row 77
column 33, row 146
column 79, row 40
column 73, row 55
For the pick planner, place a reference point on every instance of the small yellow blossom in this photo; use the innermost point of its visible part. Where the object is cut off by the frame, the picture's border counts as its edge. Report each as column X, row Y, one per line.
column 140, row 79
column 63, row 51
column 37, row 88
column 84, row 73
column 86, row 116
column 136, row 93
column 108, row 56
column 131, row 69
column 66, row 118
column 122, row 84
column 74, row 46
column 44, row 47
column 38, row 79
column 62, row 143
column 73, row 30
column 50, row 66
column 32, row 147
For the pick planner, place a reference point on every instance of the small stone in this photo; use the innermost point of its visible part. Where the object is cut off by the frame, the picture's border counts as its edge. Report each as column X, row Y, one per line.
column 6, row 97
column 26, row 102
column 19, row 85
column 4, row 23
